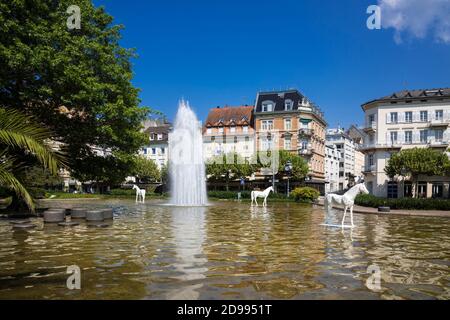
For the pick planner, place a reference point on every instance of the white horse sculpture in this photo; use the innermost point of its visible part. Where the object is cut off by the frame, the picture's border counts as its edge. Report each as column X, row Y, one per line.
column 261, row 194
column 140, row 193
column 347, row 200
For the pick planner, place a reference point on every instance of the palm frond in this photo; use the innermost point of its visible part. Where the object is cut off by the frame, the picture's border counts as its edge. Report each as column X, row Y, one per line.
column 19, row 131
column 7, row 179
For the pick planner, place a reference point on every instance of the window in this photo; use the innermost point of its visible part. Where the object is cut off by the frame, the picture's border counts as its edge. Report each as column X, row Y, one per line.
column 304, row 145
column 408, row 137
column 424, row 136
column 287, row 143
column 220, row 129
column 213, row 139
column 209, row 131
column 160, row 136
column 245, row 129
column 408, row 116
column 287, row 124
column 145, row 150
column 288, row 105
column 439, row 135
column 247, row 139
column 371, row 119
column 153, row 150
column 407, row 190
column 233, row 129
column 163, row 150
column 235, row 139
column 423, row 116
column 422, row 186
column 394, row 117
column 267, row 125
column 371, row 160
column 392, row 190
column 437, row 190
column 394, row 136
column 439, row 115
column 152, row 136
column 267, row 106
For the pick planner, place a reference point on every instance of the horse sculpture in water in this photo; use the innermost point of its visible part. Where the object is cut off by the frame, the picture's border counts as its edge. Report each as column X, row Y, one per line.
column 347, row 200
column 261, row 194
column 140, row 193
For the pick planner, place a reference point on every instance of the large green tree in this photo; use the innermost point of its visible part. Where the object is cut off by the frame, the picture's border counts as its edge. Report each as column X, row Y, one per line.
column 77, row 82
column 411, row 163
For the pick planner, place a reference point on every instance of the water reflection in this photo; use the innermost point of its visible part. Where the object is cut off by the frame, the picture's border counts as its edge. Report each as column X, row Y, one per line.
column 188, row 228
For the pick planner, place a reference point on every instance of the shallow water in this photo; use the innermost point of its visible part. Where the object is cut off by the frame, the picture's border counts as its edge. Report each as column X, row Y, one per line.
column 227, row 251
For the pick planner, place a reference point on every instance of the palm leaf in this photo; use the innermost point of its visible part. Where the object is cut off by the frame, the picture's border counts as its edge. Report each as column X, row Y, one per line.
column 19, row 131
column 7, row 179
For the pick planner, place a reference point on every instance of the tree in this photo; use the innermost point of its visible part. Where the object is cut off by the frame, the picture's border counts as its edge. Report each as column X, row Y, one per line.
column 232, row 165
column 300, row 167
column 77, row 83
column 411, row 163
column 22, row 142
column 146, row 170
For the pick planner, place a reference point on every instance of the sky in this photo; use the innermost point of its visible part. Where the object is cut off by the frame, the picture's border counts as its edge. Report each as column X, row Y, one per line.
column 222, row 52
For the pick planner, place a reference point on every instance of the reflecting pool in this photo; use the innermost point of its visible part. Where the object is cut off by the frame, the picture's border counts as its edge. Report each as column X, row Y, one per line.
column 227, row 251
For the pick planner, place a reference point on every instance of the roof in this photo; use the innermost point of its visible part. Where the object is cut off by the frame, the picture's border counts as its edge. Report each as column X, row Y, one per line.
column 418, row 94
column 230, row 115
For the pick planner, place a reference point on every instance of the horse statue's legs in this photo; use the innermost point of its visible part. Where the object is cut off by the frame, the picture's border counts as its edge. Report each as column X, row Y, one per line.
column 351, row 215
column 345, row 213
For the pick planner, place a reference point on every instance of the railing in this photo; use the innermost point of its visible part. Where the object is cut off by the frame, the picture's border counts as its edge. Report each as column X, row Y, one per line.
column 368, row 168
column 306, row 151
column 306, row 132
column 371, row 126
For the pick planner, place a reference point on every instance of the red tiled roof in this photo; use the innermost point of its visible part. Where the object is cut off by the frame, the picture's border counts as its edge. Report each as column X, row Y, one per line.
column 228, row 115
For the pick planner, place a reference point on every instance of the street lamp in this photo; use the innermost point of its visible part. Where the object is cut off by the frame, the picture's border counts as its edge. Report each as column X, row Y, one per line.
column 288, row 170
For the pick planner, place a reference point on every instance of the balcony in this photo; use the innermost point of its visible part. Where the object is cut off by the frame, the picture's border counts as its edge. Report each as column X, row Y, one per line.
column 438, row 143
column 306, row 132
column 370, row 127
column 372, row 146
column 369, row 169
column 441, row 122
column 306, row 151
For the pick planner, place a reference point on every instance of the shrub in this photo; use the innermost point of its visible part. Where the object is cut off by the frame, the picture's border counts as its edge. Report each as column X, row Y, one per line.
column 123, row 192
column 244, row 195
column 368, row 200
column 306, row 194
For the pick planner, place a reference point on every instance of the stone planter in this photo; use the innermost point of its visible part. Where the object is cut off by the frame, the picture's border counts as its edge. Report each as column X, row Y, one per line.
column 78, row 213
column 384, row 209
column 68, row 224
column 94, row 215
column 107, row 214
column 54, row 216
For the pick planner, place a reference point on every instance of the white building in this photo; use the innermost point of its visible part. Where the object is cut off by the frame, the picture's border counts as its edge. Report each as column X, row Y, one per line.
column 332, row 160
column 348, row 150
column 406, row 119
column 229, row 130
column 157, row 148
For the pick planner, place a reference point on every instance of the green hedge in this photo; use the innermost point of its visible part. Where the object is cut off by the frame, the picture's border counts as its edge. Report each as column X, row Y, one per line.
column 305, row 194
column 244, row 195
column 368, row 200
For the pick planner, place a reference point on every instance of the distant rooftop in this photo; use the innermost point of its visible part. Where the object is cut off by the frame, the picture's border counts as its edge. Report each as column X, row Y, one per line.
column 227, row 116
column 418, row 94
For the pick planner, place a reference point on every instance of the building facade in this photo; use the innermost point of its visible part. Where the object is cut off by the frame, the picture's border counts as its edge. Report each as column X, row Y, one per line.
column 332, row 161
column 291, row 122
column 157, row 148
column 406, row 119
column 348, row 169
column 229, row 130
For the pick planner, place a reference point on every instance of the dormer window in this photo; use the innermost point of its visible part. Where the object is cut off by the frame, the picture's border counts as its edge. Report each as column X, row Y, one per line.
column 288, row 105
column 267, row 106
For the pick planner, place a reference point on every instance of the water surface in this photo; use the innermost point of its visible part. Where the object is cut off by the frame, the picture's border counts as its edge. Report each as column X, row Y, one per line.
column 227, row 251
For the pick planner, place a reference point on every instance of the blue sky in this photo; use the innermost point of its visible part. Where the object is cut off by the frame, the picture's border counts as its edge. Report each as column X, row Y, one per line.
column 222, row 52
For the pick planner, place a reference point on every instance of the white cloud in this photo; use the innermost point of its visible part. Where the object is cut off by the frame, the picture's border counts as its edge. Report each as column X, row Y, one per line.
column 417, row 18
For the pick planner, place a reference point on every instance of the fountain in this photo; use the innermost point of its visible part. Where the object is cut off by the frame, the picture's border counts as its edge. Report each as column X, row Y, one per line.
column 187, row 166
